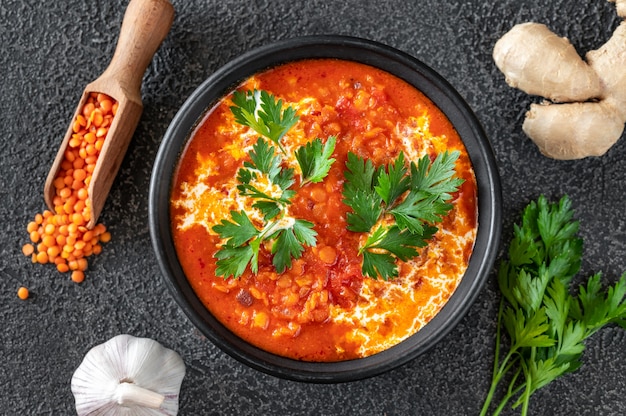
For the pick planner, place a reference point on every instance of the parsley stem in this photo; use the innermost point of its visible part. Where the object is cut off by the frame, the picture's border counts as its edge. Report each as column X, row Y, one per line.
column 507, row 363
column 501, row 369
column 510, row 394
column 528, row 376
column 496, row 371
column 282, row 148
column 280, row 224
column 504, row 368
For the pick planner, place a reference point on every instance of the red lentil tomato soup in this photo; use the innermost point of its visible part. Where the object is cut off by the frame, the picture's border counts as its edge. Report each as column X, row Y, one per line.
column 322, row 308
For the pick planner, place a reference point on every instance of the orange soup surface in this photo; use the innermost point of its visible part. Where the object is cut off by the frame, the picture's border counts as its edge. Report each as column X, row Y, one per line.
column 322, row 308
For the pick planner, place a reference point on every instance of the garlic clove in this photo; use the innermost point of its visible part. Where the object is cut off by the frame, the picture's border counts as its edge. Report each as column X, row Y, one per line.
column 128, row 376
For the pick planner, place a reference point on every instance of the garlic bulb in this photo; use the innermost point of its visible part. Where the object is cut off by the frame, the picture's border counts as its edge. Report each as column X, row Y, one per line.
column 128, row 376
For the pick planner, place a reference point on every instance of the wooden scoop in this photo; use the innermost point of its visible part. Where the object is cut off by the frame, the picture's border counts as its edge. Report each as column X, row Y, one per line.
column 145, row 25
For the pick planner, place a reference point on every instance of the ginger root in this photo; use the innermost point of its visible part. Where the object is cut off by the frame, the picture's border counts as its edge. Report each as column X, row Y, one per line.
column 586, row 111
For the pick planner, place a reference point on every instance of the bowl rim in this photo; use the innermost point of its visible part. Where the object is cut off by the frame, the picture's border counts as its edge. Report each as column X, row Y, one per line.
column 398, row 63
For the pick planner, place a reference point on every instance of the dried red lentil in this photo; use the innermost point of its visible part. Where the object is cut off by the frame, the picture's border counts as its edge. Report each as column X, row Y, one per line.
column 23, row 293
column 62, row 237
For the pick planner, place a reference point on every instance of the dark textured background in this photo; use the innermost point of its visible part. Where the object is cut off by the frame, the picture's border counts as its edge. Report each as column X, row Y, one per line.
column 50, row 50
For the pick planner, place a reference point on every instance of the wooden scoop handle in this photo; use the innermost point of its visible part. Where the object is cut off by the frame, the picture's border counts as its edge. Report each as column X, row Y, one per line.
column 145, row 25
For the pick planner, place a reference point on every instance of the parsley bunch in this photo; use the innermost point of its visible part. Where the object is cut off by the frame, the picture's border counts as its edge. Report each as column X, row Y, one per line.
column 269, row 183
column 546, row 325
column 416, row 197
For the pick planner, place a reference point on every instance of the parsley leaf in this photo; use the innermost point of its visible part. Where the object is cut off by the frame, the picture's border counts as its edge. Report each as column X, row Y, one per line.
column 289, row 241
column 314, row 159
column 527, row 331
column 385, row 245
column 359, row 176
column 431, row 184
column 596, row 309
column 359, row 194
column 264, row 159
column 392, row 183
column 379, row 264
column 241, row 245
column 233, row 261
column 236, row 232
column 260, row 111
column 436, row 177
column 415, row 197
column 547, row 326
column 367, row 210
column 265, row 168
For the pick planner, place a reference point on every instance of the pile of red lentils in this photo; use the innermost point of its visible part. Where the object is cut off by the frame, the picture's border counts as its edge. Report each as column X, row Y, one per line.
column 62, row 237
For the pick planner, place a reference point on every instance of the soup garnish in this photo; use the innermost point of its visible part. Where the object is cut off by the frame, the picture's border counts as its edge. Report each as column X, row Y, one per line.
column 402, row 203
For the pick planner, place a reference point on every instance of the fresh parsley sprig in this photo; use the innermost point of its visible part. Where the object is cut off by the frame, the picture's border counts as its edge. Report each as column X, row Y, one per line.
column 243, row 240
column 546, row 325
column 260, row 111
column 265, row 179
column 416, row 197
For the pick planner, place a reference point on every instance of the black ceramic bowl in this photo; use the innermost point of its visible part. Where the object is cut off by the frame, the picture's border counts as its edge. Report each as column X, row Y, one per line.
column 394, row 62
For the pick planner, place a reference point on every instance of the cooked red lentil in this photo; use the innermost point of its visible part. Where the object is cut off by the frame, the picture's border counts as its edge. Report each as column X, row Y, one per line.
column 322, row 309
